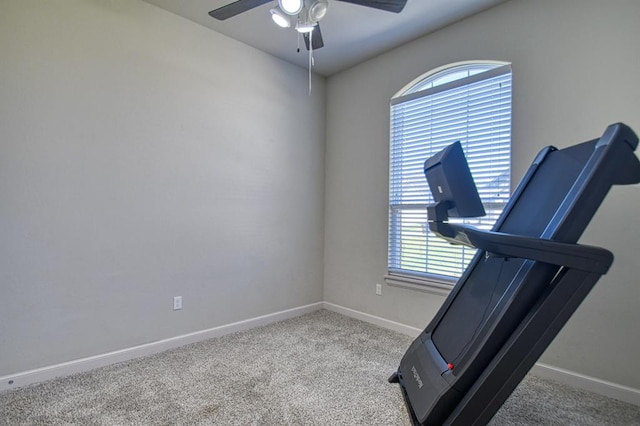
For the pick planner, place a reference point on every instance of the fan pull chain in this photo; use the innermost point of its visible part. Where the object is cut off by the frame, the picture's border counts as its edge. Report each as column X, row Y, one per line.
column 310, row 58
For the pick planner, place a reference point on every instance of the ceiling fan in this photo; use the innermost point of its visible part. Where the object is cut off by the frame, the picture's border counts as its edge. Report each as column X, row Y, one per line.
column 307, row 14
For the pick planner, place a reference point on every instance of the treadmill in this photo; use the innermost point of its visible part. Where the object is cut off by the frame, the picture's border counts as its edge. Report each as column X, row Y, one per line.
column 527, row 278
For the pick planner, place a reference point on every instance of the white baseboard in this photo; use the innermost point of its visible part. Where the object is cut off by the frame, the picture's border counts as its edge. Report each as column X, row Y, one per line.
column 12, row 381
column 570, row 378
column 372, row 319
column 592, row 384
column 25, row 378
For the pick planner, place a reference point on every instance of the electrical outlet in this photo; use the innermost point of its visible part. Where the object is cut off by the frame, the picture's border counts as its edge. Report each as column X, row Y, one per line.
column 379, row 289
column 177, row 303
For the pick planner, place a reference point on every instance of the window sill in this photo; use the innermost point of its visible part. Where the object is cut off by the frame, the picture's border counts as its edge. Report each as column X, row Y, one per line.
column 427, row 285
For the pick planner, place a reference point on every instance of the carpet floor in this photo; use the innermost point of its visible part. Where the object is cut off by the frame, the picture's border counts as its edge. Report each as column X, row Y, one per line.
column 318, row 369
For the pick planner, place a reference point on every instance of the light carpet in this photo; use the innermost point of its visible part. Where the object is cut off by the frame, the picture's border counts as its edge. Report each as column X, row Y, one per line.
column 318, row 369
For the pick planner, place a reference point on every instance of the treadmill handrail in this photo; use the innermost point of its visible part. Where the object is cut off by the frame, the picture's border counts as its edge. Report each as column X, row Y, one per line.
column 575, row 256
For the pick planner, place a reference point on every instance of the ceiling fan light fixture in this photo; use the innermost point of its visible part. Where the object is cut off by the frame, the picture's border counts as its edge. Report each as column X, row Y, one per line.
column 291, row 7
column 280, row 18
column 318, row 10
column 304, row 25
column 304, row 28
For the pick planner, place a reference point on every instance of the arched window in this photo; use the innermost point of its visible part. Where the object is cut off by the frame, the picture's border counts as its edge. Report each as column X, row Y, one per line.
column 468, row 102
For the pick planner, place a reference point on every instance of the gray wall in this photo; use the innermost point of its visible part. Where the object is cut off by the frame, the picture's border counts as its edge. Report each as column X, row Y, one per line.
column 141, row 157
column 576, row 69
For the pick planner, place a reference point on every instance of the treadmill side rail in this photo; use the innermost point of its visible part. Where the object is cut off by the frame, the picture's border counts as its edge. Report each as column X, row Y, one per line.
column 577, row 256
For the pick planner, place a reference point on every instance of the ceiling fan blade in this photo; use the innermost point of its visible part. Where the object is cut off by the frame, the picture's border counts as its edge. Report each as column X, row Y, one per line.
column 316, row 38
column 235, row 8
column 394, row 6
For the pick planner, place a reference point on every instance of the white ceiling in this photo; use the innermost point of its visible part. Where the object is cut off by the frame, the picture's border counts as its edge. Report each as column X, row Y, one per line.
column 351, row 33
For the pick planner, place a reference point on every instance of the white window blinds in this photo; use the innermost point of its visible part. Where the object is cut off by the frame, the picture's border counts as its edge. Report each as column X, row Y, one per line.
column 475, row 109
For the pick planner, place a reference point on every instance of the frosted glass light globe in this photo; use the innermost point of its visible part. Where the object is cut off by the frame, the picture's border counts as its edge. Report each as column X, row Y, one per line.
column 291, row 7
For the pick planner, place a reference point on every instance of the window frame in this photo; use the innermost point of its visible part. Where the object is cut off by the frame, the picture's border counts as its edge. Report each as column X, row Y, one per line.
column 419, row 88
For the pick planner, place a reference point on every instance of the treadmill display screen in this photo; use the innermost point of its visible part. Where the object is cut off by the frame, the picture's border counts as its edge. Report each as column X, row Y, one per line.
column 450, row 181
